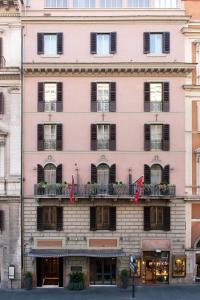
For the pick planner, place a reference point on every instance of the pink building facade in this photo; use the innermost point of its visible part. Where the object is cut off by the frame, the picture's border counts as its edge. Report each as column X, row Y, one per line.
column 104, row 102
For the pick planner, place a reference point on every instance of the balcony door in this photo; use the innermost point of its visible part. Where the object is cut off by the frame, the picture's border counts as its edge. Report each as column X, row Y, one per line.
column 103, row 178
column 50, row 174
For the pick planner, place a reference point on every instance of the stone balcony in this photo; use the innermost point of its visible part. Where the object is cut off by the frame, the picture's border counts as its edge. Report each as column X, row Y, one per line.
column 93, row 190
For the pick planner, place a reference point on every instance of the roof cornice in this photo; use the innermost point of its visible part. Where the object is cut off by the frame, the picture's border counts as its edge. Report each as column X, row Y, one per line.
column 108, row 69
column 95, row 19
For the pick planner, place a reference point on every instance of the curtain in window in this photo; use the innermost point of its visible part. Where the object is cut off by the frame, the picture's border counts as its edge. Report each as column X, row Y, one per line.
column 50, row 174
column 50, row 44
column 139, row 3
column 103, row 44
column 156, row 96
column 155, row 43
column 103, row 97
column 103, row 136
column 156, row 174
column 103, row 174
column 156, row 136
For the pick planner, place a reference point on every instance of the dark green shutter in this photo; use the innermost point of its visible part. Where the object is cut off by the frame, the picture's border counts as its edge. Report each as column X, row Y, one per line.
column 2, row 103
column 40, row 43
column 147, row 137
column 165, row 137
column 40, row 174
column 166, row 174
column 112, row 100
column 59, row 218
column 60, row 43
column 166, row 42
column 39, row 218
column 93, row 96
column 166, row 218
column 59, row 137
column 112, row 215
column 112, row 140
column 40, row 132
column 59, row 174
column 165, row 100
column 113, row 42
column 147, row 96
column 93, row 174
column 59, row 104
column 147, row 223
column 93, row 139
column 146, row 38
column 147, row 174
column 1, row 220
column 112, row 174
column 93, row 218
column 41, row 99
column 93, row 43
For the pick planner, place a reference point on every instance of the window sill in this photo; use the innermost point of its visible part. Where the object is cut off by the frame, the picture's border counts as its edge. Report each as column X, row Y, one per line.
column 50, row 56
column 156, row 54
column 103, row 56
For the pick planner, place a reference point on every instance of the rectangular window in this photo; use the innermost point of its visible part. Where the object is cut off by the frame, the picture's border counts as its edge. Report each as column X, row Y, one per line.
column 156, row 218
column 156, row 137
column 103, row 137
column 156, row 43
column 50, row 137
column 139, row 3
column 50, row 96
column 103, row 44
column 103, row 95
column 49, row 217
column 84, row 3
column 102, row 215
column 156, row 97
column 50, row 44
column 55, row 3
column 111, row 3
column 179, row 266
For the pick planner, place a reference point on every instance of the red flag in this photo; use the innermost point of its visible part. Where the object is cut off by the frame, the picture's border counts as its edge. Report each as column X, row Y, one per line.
column 71, row 195
column 139, row 185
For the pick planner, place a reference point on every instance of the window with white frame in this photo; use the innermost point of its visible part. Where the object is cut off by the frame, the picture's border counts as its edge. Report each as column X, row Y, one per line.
column 103, row 137
column 50, row 137
column 156, row 137
column 103, row 44
column 155, row 97
column 103, row 91
column 111, row 3
column 138, row 3
column 50, row 96
column 156, row 43
column 55, row 3
column 84, row 3
column 50, row 44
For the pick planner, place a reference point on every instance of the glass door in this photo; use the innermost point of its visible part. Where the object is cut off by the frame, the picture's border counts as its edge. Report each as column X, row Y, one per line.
column 103, row 271
column 103, row 178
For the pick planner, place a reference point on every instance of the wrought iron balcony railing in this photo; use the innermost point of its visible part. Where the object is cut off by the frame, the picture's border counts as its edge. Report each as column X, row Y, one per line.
column 50, row 106
column 96, row 190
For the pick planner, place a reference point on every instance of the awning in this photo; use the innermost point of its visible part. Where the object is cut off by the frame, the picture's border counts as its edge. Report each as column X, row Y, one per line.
column 75, row 252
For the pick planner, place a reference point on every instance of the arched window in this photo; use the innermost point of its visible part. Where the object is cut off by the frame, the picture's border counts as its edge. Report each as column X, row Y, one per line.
column 50, row 174
column 198, row 244
column 103, row 174
column 156, row 174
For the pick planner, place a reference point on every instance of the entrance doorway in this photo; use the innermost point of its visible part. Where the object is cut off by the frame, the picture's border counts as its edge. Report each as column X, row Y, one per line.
column 156, row 267
column 50, row 272
column 103, row 271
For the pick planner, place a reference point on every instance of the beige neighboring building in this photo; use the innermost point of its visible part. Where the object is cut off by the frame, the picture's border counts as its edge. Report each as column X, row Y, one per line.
column 192, row 127
column 10, row 141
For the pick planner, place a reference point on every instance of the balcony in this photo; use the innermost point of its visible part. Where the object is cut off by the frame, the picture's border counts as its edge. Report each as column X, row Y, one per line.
column 2, row 62
column 50, row 106
column 93, row 190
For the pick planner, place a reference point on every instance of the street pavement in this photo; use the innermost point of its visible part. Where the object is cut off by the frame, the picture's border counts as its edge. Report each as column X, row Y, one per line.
column 186, row 292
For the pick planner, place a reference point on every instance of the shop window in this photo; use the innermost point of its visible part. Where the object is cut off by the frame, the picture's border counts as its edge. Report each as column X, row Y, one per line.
column 179, row 266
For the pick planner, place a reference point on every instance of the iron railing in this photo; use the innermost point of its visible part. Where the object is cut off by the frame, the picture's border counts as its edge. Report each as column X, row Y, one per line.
column 96, row 190
column 50, row 106
column 50, row 144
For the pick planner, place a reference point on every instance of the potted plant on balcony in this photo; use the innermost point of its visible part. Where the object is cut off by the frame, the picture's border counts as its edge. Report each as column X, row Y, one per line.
column 76, row 281
column 119, row 188
column 146, row 189
column 91, row 188
column 28, row 280
column 124, row 277
column 164, row 189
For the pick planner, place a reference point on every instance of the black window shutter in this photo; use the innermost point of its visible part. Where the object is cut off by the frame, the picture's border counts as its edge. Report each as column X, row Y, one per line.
column 93, row 137
column 61, row 259
column 59, row 104
column 41, row 96
column 147, row 137
column 146, row 37
column 39, row 218
column 40, row 43
column 147, row 222
column 165, row 100
column 112, row 174
column 112, row 141
column 165, row 137
column 112, row 213
column 113, row 42
column 166, row 218
column 166, row 42
column 60, row 43
column 59, row 174
column 147, row 174
column 1, row 103
column 93, row 96
column 59, row 222
column 1, row 220
column 93, row 43
column 112, row 102
column 93, row 218
column 40, row 174
column 166, row 174
column 59, row 137
column 40, row 144
column 39, row 269
column 93, row 174
column 147, row 96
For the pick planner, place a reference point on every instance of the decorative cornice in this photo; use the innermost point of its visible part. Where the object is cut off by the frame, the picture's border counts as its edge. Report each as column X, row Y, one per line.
column 10, row 73
column 111, row 69
column 48, row 18
column 191, row 87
